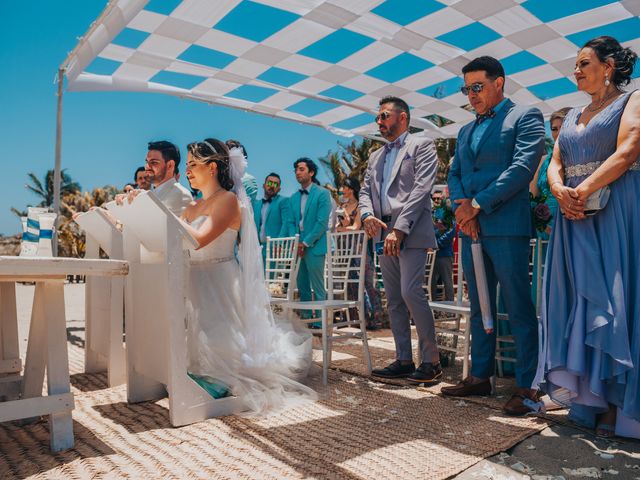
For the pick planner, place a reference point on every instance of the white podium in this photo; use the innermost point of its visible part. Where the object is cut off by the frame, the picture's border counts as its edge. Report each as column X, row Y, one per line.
column 104, row 305
column 156, row 246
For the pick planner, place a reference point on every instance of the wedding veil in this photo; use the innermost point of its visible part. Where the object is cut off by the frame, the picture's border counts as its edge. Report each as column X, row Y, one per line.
column 274, row 354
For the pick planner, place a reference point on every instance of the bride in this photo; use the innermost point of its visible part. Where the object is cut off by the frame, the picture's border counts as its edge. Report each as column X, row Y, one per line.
column 236, row 346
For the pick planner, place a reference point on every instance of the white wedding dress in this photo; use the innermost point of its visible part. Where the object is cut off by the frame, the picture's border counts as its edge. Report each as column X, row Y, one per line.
column 233, row 336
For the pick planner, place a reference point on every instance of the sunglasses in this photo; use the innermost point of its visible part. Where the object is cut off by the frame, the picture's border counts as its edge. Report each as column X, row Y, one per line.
column 475, row 88
column 436, row 199
column 270, row 183
column 383, row 116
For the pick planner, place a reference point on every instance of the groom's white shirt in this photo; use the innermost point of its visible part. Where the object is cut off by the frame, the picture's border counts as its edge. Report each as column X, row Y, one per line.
column 174, row 196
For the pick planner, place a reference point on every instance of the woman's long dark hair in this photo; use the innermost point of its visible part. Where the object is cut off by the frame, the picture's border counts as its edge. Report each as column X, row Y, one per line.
column 354, row 184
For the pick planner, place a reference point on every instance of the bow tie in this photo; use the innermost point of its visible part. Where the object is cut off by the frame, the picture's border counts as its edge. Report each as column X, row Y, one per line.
column 303, row 192
column 267, row 200
column 391, row 145
column 485, row 116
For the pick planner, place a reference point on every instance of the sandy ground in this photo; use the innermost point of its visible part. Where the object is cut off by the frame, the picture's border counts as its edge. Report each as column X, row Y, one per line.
column 561, row 451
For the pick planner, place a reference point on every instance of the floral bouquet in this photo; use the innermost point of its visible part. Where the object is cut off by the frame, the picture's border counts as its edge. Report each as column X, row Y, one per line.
column 443, row 214
column 541, row 212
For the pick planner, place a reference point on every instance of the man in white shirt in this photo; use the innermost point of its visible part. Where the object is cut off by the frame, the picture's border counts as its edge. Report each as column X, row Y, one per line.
column 161, row 166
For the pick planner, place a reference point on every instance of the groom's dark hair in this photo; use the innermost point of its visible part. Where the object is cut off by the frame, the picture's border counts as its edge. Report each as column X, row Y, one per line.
column 168, row 150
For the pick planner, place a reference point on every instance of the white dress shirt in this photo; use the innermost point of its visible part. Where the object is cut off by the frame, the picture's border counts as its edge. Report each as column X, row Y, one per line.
column 303, row 205
column 389, row 161
column 263, row 219
column 174, row 196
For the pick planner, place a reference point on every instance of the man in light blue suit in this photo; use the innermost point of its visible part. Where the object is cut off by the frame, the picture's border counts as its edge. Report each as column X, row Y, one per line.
column 311, row 208
column 495, row 159
column 272, row 213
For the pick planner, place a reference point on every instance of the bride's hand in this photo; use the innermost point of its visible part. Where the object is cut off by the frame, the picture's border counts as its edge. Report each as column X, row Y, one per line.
column 571, row 205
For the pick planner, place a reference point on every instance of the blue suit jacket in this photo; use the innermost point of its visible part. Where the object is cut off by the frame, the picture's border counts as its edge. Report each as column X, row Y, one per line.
column 316, row 219
column 498, row 175
column 279, row 222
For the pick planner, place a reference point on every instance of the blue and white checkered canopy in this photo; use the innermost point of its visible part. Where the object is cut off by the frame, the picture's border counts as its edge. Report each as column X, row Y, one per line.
column 328, row 62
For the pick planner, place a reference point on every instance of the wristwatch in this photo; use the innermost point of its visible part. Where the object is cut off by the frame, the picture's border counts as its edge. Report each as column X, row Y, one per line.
column 364, row 216
column 475, row 204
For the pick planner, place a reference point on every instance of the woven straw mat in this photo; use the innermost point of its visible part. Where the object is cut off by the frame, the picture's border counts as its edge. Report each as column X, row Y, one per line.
column 359, row 429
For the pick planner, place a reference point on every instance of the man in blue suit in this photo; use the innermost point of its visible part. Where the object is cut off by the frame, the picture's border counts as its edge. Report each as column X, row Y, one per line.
column 311, row 208
column 495, row 159
column 272, row 213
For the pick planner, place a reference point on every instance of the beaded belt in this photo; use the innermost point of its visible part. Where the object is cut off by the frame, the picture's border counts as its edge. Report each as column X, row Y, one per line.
column 588, row 168
column 211, row 260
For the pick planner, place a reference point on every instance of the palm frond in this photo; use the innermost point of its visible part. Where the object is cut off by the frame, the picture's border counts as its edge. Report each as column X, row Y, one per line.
column 18, row 213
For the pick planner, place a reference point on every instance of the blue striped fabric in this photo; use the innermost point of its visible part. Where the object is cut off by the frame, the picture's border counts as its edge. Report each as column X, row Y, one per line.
column 31, row 223
column 29, row 237
column 328, row 63
column 46, row 234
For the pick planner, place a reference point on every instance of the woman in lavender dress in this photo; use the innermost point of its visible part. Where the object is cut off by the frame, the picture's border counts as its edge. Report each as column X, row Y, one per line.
column 590, row 327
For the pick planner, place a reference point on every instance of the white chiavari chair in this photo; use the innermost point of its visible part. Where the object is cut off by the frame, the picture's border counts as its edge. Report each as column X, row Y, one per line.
column 346, row 256
column 281, row 268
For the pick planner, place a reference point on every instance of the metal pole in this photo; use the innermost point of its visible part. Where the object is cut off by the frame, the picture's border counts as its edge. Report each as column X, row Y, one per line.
column 57, row 172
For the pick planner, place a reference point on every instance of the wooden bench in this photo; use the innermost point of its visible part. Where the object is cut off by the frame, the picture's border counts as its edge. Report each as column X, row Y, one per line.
column 47, row 344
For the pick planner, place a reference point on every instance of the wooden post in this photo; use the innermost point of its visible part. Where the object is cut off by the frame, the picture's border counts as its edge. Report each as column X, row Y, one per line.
column 57, row 172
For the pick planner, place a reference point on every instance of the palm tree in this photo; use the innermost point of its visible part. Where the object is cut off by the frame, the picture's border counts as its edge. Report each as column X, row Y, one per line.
column 71, row 239
column 445, row 149
column 349, row 160
column 45, row 189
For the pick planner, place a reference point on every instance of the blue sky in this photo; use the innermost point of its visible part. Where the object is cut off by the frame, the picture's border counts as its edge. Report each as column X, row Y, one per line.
column 105, row 134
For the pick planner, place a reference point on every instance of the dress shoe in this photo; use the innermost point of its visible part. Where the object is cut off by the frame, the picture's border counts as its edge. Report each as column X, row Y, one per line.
column 426, row 373
column 467, row 387
column 395, row 370
column 516, row 406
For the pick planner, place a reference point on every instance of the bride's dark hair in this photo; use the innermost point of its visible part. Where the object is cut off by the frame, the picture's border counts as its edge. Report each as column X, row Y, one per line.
column 213, row 150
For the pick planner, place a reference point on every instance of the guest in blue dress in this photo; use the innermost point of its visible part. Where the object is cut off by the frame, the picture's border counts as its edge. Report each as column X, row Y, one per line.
column 590, row 326
column 541, row 194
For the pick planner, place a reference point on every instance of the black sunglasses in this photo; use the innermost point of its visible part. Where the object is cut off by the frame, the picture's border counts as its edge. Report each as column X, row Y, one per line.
column 383, row 116
column 475, row 88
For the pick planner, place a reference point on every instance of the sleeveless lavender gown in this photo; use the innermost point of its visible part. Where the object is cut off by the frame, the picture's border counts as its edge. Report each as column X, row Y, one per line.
column 590, row 325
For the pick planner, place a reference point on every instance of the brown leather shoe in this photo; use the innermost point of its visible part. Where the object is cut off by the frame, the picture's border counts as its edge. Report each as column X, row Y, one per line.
column 466, row 387
column 516, row 405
